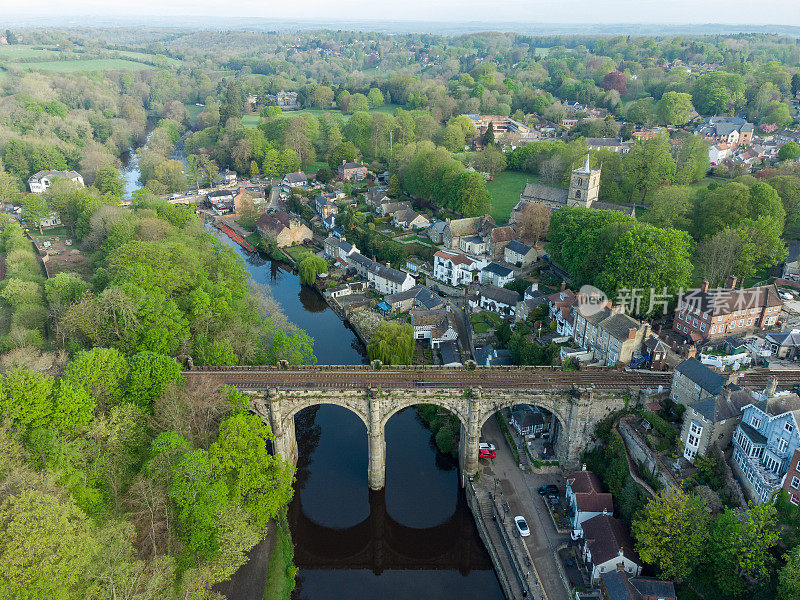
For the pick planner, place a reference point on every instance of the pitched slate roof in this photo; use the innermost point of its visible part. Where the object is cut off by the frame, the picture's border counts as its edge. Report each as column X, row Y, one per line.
column 605, row 536
column 518, row 247
column 718, row 408
column 791, row 338
column 471, row 226
column 298, row 177
column 420, row 294
column 725, row 300
column 618, row 325
column 502, row 234
column 545, row 193
column 589, row 496
column 498, row 294
column 497, row 269
column 620, row 586
column 628, row 210
column 700, row 374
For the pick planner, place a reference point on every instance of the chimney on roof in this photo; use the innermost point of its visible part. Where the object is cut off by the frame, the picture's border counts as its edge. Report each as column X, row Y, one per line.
column 632, row 333
column 563, row 285
column 731, row 283
column 704, row 286
column 772, row 386
column 621, row 553
column 344, row 162
column 583, row 467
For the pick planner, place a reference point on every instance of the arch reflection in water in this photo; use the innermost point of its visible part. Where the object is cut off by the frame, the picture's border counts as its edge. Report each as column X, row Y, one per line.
column 417, row 538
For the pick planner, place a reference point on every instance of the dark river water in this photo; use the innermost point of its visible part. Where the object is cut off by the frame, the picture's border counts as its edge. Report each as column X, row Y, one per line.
column 414, row 540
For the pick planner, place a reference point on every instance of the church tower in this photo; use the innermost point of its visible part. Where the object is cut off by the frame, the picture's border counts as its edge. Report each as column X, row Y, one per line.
column 584, row 187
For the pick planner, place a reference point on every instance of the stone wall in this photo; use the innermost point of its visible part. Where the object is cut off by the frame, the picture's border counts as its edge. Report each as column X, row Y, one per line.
column 578, row 413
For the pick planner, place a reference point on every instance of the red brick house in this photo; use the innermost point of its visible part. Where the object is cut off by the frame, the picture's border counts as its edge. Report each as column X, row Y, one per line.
column 352, row 171
column 791, row 481
column 714, row 313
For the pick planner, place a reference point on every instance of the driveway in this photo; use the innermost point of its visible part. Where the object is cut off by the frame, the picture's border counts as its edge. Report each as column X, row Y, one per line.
column 519, row 489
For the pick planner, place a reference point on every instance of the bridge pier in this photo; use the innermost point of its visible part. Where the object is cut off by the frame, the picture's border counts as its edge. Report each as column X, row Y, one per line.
column 376, row 476
column 470, row 436
column 285, row 442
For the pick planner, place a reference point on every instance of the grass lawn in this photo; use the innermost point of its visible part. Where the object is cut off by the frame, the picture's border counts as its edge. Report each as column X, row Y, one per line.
column 297, row 252
column 505, row 191
column 313, row 168
column 250, row 120
column 193, row 110
column 92, row 64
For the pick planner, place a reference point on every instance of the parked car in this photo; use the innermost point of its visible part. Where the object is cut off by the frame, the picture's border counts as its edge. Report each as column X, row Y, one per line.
column 486, row 446
column 522, row 526
column 548, row 489
column 486, row 453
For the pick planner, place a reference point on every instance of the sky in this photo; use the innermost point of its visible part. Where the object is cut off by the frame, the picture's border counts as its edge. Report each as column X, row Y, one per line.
column 750, row 12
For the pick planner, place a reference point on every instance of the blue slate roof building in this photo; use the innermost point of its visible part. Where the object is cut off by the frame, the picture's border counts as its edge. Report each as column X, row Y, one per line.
column 764, row 442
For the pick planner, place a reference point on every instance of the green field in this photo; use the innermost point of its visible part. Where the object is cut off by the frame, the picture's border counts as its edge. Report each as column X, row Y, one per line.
column 92, row 64
column 505, row 191
column 14, row 52
column 136, row 56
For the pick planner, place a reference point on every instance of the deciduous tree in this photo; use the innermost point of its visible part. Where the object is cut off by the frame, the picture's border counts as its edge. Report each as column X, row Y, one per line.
column 663, row 538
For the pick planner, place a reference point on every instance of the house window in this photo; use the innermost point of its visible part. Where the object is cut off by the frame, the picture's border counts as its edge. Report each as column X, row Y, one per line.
column 696, row 429
column 793, row 499
column 796, row 482
column 713, row 329
column 692, row 441
column 788, row 427
column 702, row 326
column 782, row 445
column 741, row 322
column 577, row 193
column 755, row 422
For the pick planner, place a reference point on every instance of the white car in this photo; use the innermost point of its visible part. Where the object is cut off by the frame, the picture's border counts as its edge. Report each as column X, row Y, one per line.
column 486, row 446
column 522, row 526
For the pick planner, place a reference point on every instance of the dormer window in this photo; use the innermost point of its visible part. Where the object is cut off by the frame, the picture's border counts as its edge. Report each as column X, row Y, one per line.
column 577, row 193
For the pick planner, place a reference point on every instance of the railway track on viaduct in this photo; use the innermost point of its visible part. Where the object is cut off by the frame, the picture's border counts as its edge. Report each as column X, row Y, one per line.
column 325, row 377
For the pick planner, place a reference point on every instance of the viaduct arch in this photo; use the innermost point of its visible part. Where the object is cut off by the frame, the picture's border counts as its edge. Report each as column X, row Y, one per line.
column 577, row 411
column 579, row 399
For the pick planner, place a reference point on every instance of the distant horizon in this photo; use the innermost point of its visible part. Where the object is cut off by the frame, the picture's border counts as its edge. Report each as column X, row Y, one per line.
column 76, row 20
column 572, row 14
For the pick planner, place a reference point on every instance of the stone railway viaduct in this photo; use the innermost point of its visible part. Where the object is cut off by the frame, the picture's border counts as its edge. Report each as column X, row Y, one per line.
column 578, row 400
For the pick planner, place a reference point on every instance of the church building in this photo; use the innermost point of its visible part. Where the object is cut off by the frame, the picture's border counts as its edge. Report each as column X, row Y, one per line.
column 584, row 189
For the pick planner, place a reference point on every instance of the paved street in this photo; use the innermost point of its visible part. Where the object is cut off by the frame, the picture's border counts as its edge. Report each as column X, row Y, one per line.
column 519, row 489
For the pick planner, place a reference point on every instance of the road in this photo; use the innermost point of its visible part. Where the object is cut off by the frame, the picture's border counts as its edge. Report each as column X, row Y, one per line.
column 519, row 489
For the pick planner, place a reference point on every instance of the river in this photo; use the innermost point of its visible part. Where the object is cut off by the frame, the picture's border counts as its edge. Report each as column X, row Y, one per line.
column 414, row 540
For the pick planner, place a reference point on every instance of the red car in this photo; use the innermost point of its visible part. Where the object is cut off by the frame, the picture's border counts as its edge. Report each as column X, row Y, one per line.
column 486, row 453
